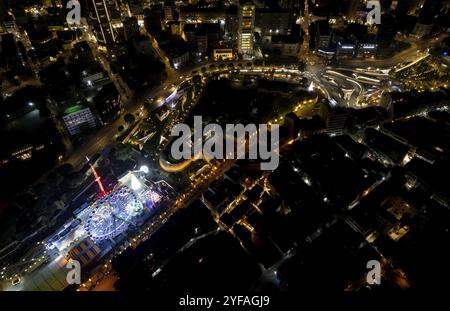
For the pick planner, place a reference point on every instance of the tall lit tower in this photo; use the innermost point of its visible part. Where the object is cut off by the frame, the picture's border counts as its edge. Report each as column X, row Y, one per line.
column 100, row 15
column 246, row 22
column 97, row 178
column 305, row 21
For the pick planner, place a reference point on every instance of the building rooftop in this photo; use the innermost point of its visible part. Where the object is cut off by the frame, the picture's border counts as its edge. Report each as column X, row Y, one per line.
column 71, row 109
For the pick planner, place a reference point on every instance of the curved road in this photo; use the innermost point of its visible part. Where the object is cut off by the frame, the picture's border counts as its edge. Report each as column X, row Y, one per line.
column 106, row 135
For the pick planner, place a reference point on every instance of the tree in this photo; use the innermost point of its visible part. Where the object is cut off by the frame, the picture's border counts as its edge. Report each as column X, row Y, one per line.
column 54, row 179
column 104, row 163
column 149, row 106
column 129, row 118
column 301, row 66
column 123, row 152
column 64, row 169
column 197, row 79
column 76, row 179
column 40, row 188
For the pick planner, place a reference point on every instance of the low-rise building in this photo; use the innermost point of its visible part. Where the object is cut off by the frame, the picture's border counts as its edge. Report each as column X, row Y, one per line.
column 223, row 53
column 345, row 50
column 366, row 50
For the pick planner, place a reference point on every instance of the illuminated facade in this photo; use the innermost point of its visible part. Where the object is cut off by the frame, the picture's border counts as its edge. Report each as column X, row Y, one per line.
column 100, row 15
column 98, row 180
column 246, row 28
column 78, row 118
column 223, row 54
column 367, row 50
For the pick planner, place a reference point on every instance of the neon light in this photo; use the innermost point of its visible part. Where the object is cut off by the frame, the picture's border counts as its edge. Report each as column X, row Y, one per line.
column 97, row 179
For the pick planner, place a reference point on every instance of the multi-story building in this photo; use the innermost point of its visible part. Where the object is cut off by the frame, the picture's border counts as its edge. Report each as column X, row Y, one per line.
column 9, row 25
column 153, row 21
column 10, row 53
column 202, row 42
column 3, row 10
column 131, row 28
column 82, row 52
column 421, row 29
column 231, row 22
column 345, row 50
column 180, row 59
column 335, row 124
column 196, row 15
column 201, row 37
column 354, row 6
column 323, row 35
column 246, row 17
column 324, row 39
column 387, row 31
column 78, row 118
column 287, row 46
column 190, row 33
column 52, row 3
column 274, row 22
column 366, row 50
column 288, row 4
column 175, row 28
column 169, row 11
column 177, row 51
column 427, row 16
column 136, row 8
column 143, row 46
column 227, row 18
column 100, row 14
column 107, row 103
column 94, row 79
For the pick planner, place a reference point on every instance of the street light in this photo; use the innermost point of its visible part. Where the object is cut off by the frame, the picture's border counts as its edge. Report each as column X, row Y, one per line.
column 144, row 169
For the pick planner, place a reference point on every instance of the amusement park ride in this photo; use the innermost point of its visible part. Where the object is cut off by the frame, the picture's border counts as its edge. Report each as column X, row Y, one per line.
column 126, row 206
column 116, row 211
column 112, row 214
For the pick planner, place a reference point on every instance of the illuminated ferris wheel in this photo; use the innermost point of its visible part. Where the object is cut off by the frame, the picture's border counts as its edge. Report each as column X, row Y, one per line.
column 112, row 214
